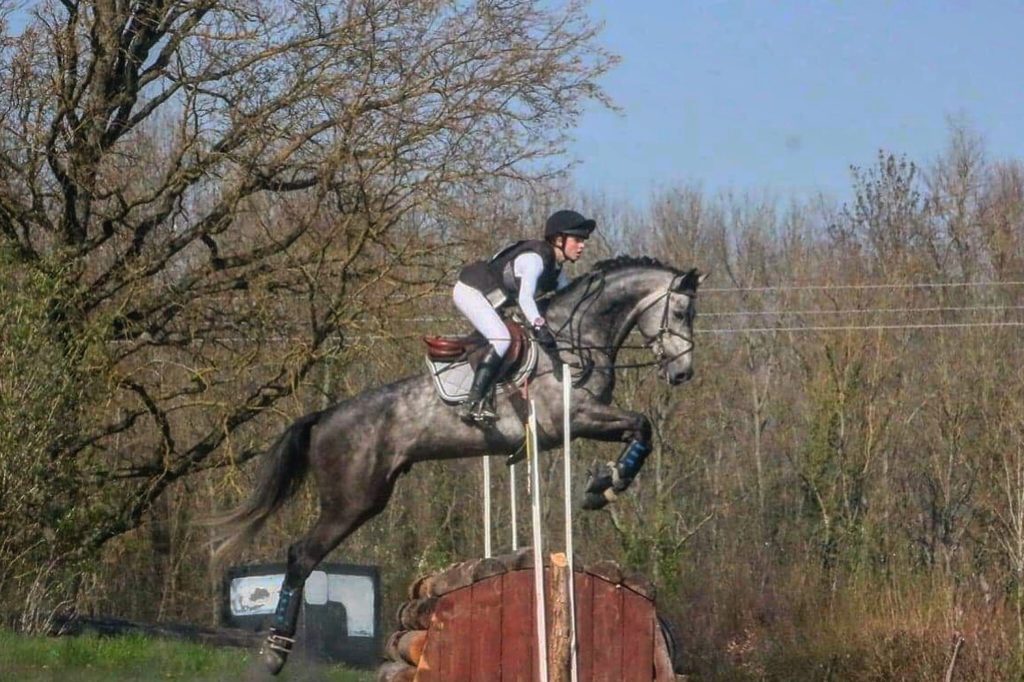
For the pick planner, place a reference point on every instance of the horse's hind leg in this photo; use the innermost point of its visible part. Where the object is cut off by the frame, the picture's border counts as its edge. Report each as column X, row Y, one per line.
column 336, row 522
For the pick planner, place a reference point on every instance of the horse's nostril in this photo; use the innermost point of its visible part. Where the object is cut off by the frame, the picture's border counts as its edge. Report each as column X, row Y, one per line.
column 681, row 377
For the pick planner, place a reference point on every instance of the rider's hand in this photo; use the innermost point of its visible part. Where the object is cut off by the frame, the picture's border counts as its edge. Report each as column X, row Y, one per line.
column 547, row 341
column 545, row 338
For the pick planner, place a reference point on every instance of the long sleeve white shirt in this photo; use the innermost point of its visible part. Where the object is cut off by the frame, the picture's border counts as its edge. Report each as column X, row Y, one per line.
column 528, row 267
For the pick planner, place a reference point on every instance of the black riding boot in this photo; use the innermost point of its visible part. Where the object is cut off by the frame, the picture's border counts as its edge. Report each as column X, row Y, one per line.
column 476, row 408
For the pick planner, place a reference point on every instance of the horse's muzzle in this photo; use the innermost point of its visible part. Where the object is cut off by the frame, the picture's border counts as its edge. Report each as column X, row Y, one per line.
column 676, row 378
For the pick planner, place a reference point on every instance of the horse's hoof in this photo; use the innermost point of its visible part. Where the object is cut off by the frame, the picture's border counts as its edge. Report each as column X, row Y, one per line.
column 275, row 650
column 600, row 478
column 593, row 501
column 272, row 660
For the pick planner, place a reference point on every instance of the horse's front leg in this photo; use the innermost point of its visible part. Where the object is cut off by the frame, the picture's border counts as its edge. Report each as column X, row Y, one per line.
column 603, row 422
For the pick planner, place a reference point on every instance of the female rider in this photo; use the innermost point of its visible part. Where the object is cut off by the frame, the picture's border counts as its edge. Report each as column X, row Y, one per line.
column 519, row 273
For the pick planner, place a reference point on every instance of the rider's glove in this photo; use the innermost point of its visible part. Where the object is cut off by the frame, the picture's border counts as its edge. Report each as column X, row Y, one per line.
column 545, row 338
column 547, row 341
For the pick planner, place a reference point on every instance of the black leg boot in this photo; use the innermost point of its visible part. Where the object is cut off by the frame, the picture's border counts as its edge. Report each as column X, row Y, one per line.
column 279, row 641
column 476, row 408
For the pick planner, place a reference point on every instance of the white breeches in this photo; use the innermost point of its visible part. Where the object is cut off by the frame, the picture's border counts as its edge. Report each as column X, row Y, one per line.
column 482, row 316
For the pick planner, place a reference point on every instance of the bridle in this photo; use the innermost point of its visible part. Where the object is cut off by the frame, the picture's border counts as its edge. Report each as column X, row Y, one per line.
column 655, row 342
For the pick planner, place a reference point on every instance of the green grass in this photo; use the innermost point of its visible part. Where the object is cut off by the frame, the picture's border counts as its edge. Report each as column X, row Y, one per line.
column 91, row 659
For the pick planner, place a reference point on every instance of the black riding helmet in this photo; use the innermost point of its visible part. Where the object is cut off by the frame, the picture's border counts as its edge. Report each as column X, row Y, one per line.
column 568, row 222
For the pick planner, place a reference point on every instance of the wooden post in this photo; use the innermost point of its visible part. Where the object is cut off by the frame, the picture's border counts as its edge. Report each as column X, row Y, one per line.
column 560, row 625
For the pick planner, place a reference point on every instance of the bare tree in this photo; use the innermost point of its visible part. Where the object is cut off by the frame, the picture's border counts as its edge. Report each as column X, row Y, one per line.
column 219, row 192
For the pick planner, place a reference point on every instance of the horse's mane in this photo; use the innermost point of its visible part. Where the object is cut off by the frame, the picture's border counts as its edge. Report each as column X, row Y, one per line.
column 609, row 265
column 623, row 262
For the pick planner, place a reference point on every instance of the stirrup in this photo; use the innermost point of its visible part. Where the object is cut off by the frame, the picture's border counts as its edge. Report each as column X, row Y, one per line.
column 477, row 411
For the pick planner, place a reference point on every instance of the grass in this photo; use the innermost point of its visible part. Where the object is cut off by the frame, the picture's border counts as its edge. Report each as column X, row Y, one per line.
column 119, row 659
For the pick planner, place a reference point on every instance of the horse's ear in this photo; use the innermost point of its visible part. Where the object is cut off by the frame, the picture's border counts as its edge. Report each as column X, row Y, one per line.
column 689, row 282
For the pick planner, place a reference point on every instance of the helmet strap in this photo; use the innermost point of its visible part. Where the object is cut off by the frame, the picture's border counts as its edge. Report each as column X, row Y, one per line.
column 558, row 241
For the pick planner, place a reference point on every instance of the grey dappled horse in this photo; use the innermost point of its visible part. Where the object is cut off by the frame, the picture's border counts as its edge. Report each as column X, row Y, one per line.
column 357, row 449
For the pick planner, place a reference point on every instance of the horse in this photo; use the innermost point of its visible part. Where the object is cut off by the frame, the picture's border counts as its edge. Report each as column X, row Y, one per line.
column 357, row 449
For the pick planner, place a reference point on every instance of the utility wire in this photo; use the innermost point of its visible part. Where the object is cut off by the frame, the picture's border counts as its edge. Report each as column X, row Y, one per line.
column 832, row 287
column 872, row 327
column 780, row 313
column 720, row 330
column 862, row 311
column 835, row 287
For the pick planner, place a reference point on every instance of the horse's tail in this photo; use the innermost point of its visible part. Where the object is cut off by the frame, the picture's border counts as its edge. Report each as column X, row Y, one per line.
column 284, row 469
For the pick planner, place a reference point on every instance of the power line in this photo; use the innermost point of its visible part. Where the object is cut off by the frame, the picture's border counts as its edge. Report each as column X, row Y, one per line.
column 872, row 327
column 862, row 311
column 781, row 313
column 833, row 287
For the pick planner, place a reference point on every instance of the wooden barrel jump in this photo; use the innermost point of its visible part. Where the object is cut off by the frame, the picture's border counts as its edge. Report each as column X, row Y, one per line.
column 476, row 621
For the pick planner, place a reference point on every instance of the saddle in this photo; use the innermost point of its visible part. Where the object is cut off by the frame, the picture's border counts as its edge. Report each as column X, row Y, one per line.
column 472, row 348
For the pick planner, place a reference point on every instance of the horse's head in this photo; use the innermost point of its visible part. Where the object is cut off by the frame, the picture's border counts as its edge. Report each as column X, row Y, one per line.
column 666, row 324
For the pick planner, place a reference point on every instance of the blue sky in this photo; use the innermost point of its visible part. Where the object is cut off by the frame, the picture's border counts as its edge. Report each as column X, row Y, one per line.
column 782, row 96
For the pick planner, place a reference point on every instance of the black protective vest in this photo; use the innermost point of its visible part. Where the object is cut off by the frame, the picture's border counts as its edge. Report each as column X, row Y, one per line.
column 496, row 279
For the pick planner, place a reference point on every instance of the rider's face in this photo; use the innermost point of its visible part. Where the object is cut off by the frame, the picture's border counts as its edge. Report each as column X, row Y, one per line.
column 572, row 247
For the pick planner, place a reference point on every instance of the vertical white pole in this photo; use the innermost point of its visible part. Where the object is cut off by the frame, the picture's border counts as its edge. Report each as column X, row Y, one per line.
column 538, row 548
column 512, row 505
column 487, row 507
column 567, row 493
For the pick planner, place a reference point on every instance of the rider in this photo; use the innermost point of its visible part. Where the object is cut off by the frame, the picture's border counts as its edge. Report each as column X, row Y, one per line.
column 519, row 273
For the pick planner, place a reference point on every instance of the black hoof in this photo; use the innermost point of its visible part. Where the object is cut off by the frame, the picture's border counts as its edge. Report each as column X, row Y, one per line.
column 274, row 652
column 595, row 501
column 603, row 485
column 272, row 661
column 600, row 478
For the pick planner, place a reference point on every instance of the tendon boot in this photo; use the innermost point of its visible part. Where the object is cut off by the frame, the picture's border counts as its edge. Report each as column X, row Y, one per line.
column 606, row 481
column 278, row 644
column 476, row 407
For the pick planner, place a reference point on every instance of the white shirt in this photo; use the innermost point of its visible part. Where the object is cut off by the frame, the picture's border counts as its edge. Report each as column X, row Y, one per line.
column 528, row 267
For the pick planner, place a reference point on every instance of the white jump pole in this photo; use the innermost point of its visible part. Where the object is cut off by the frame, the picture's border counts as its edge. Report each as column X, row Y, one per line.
column 512, row 506
column 538, row 548
column 567, row 494
column 487, row 507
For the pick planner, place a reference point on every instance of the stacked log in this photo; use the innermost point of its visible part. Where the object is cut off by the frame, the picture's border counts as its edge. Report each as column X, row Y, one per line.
column 475, row 620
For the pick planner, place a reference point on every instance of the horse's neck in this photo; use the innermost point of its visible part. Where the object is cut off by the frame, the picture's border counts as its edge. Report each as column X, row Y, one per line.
column 606, row 321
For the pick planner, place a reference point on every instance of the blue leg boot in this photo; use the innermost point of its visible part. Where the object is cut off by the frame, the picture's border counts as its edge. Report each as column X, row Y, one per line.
column 608, row 480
